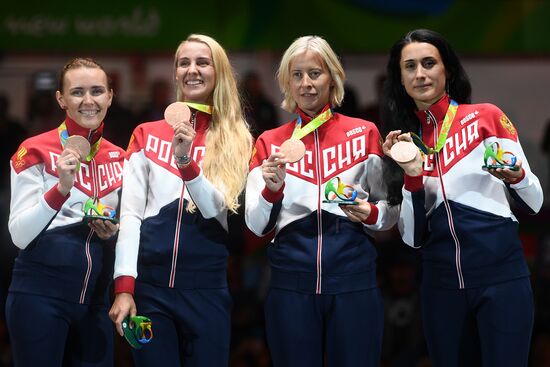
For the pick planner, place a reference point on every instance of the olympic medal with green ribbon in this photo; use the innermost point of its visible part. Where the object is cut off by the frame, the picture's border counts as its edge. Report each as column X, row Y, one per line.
column 293, row 148
column 78, row 143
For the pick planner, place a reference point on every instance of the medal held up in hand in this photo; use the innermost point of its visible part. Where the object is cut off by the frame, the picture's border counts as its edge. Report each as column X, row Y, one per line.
column 403, row 151
column 176, row 113
column 293, row 149
column 79, row 144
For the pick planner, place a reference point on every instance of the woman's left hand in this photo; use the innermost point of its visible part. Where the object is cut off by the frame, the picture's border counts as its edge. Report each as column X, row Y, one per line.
column 184, row 134
column 357, row 212
column 508, row 175
column 103, row 228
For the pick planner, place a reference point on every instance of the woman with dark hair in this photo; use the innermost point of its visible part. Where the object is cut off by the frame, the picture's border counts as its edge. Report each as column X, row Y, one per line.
column 477, row 302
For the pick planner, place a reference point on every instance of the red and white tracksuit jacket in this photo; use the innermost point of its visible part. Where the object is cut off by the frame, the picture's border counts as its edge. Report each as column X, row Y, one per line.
column 60, row 256
column 177, row 249
column 459, row 213
column 317, row 249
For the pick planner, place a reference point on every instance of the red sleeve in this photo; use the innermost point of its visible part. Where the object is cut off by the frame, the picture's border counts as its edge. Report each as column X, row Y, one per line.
column 136, row 142
column 124, row 284
column 373, row 216
column 25, row 157
column 253, row 242
column 55, row 199
column 500, row 125
column 191, row 171
column 259, row 154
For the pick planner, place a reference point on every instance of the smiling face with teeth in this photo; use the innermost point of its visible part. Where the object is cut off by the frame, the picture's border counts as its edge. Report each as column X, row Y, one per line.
column 85, row 96
column 195, row 73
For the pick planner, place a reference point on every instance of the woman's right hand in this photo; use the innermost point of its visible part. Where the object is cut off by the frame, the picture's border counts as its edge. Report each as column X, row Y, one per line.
column 123, row 306
column 274, row 171
column 66, row 166
column 412, row 168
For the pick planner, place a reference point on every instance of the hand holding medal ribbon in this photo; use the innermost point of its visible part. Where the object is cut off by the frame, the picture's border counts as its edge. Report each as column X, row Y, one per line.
column 408, row 158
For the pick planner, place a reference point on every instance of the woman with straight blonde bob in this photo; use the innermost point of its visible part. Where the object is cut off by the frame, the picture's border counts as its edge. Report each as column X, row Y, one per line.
column 174, row 214
column 323, row 307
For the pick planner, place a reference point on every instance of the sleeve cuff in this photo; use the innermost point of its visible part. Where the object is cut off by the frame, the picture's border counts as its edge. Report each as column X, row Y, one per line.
column 55, row 199
column 125, row 284
column 190, row 172
column 414, row 183
column 271, row 196
column 253, row 242
column 373, row 216
column 518, row 180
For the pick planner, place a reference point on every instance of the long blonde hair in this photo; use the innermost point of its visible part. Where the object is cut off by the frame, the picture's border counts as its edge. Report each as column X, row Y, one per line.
column 228, row 139
column 323, row 49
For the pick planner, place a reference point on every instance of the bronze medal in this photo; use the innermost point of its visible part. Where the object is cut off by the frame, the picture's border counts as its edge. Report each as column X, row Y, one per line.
column 176, row 113
column 293, row 149
column 403, row 151
column 80, row 144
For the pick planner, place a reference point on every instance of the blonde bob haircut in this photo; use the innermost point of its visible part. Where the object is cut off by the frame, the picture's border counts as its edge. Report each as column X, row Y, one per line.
column 228, row 140
column 325, row 52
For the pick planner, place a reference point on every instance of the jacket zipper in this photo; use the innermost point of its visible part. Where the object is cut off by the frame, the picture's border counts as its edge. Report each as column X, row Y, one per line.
column 89, row 266
column 458, row 264
column 175, row 247
column 318, row 286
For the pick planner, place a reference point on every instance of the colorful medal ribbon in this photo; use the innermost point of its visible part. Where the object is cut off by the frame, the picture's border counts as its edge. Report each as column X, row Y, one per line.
column 200, row 107
column 447, row 122
column 300, row 132
column 64, row 135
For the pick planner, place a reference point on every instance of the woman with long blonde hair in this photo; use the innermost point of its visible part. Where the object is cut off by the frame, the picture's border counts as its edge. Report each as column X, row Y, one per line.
column 180, row 183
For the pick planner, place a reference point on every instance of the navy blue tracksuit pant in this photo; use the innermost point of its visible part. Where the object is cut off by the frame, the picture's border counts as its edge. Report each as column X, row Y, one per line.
column 487, row 326
column 46, row 331
column 191, row 327
column 345, row 330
